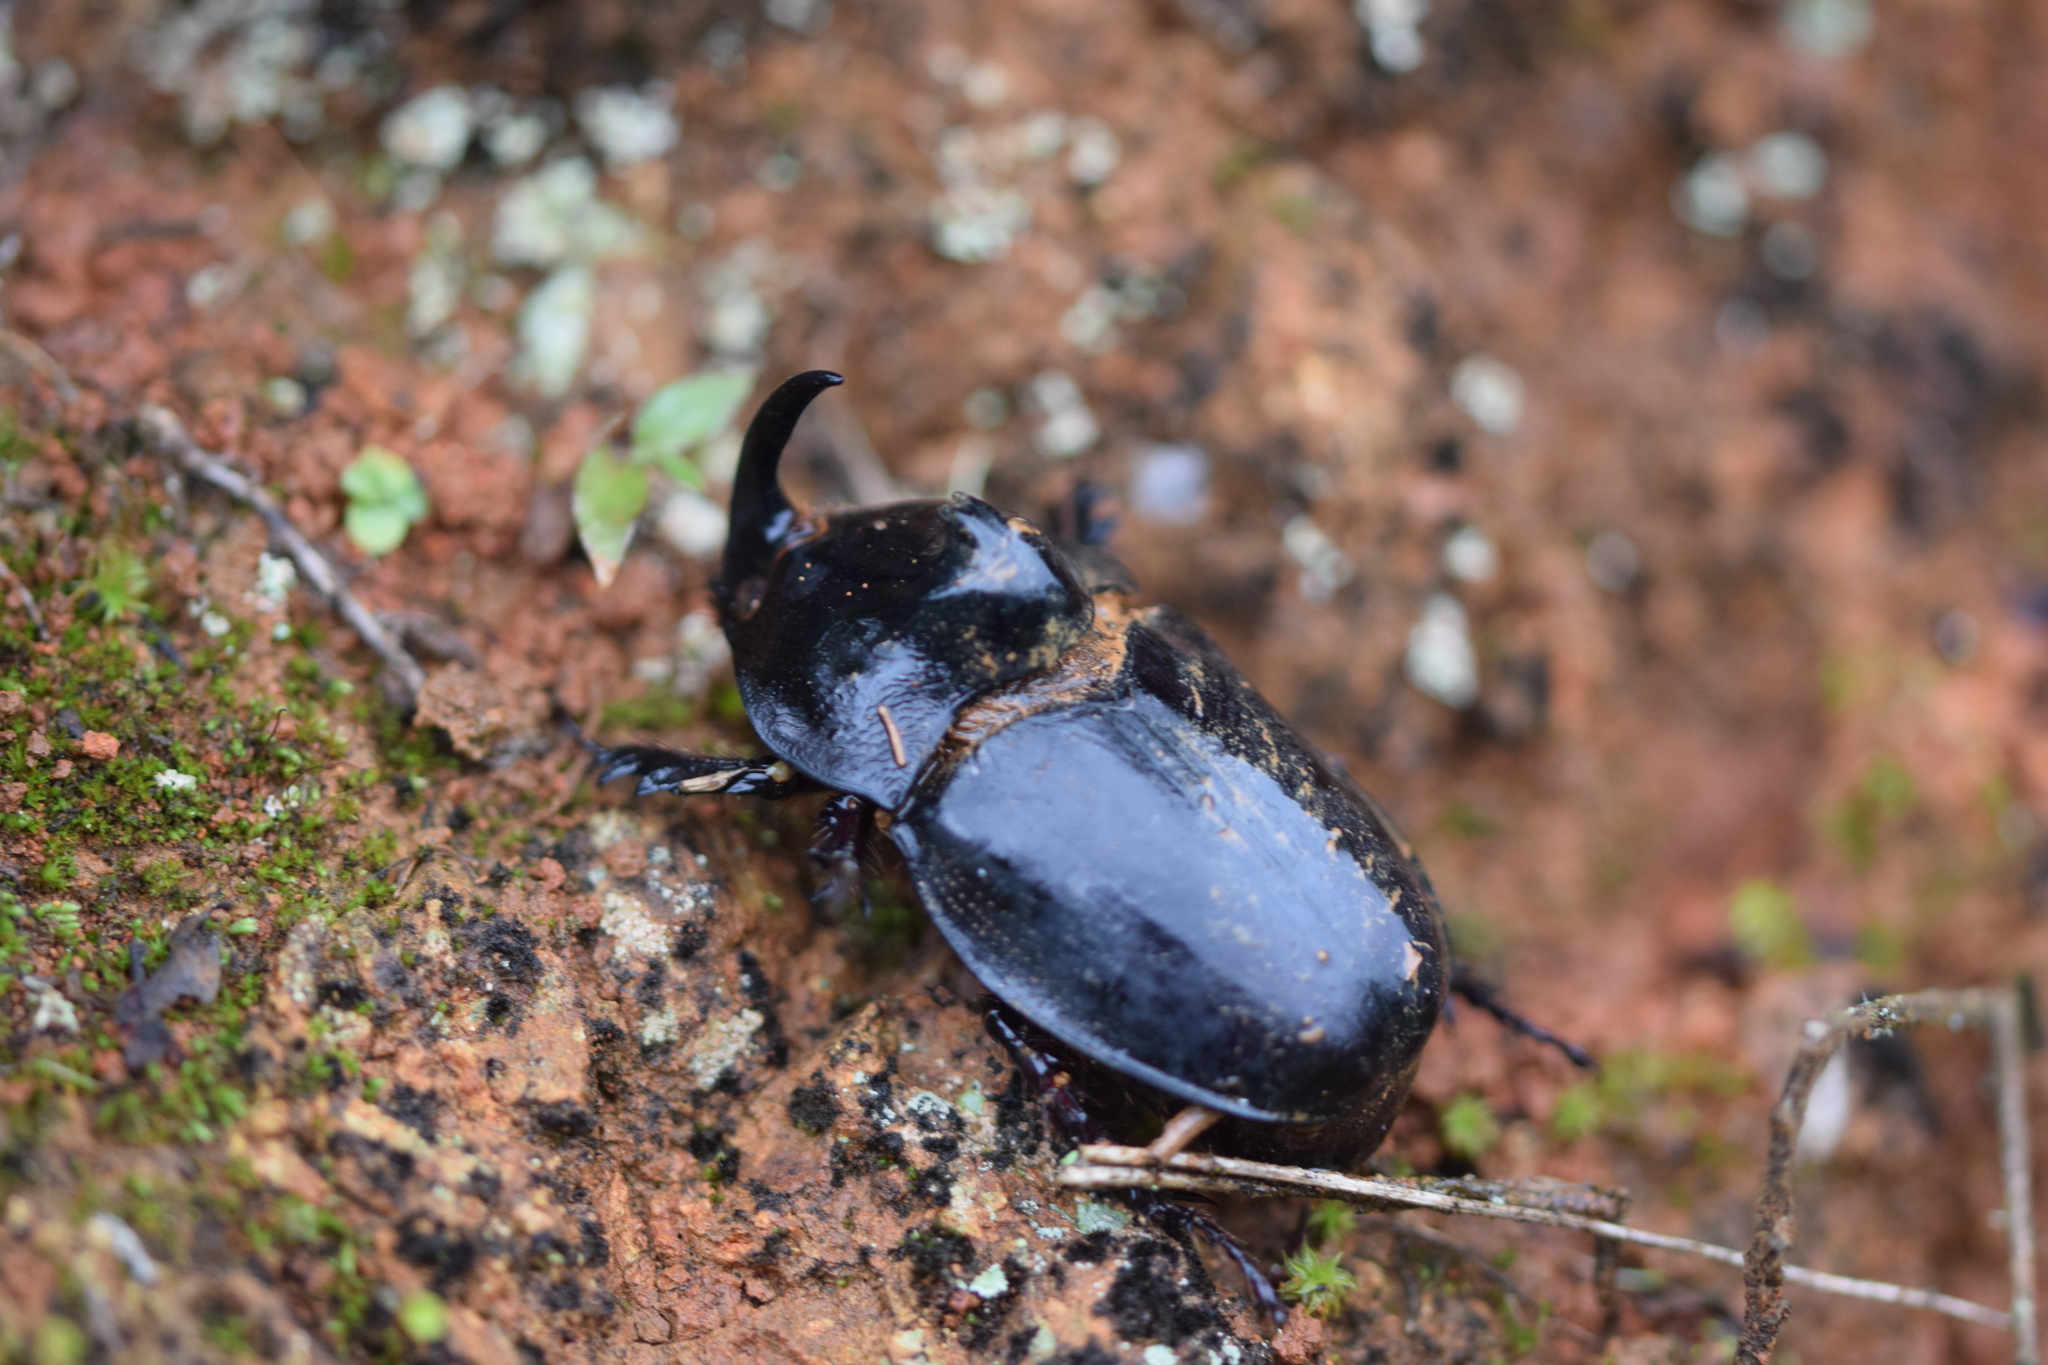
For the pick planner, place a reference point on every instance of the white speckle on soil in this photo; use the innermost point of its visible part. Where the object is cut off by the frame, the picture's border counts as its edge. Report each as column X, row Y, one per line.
column 1787, row 165
column 1170, row 484
column 1490, row 393
column 1440, row 660
column 657, row 1029
column 554, row 330
column 1324, row 567
column 692, row 523
column 1066, row 427
column 1470, row 555
column 720, row 1045
column 1093, row 151
column 1394, row 28
column 555, row 215
column 1713, row 197
column 430, row 131
column 628, row 126
column 1827, row 1111
column 1612, row 561
column 628, row 922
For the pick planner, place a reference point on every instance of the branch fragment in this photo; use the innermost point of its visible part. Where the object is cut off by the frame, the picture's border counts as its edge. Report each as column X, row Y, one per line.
column 1110, row 1167
column 167, row 434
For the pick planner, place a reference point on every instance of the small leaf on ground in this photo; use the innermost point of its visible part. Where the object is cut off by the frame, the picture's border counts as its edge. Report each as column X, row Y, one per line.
column 385, row 499
column 686, row 413
column 609, row 497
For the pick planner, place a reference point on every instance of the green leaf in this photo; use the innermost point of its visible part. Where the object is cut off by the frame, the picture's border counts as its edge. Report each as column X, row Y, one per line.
column 688, row 412
column 610, row 494
column 681, row 470
column 423, row 1316
column 375, row 530
column 385, row 499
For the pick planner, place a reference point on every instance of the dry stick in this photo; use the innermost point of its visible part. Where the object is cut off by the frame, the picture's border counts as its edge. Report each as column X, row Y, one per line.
column 1764, row 1269
column 2009, row 1054
column 27, row 599
column 36, row 360
column 1105, row 1167
column 168, row 434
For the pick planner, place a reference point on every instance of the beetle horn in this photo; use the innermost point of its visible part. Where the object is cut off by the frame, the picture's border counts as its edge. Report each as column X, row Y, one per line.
column 761, row 516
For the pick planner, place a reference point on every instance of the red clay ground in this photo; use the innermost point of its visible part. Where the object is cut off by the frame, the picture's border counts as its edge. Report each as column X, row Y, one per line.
column 1768, row 610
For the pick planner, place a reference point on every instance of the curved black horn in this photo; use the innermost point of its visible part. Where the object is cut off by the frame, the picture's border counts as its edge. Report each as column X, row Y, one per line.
column 761, row 515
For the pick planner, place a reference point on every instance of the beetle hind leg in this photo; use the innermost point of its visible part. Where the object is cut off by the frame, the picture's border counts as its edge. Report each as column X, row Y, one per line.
column 1067, row 1113
column 843, row 830
column 1477, row 992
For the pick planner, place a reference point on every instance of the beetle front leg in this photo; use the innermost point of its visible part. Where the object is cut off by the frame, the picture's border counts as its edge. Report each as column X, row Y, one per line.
column 842, row 838
column 665, row 770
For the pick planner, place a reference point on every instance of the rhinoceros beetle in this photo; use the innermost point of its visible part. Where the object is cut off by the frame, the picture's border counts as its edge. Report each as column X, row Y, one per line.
column 1127, row 844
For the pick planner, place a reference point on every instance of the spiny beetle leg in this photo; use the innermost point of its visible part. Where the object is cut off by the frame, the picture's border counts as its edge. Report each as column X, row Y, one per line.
column 665, row 770
column 843, row 828
column 1068, row 1114
column 1472, row 988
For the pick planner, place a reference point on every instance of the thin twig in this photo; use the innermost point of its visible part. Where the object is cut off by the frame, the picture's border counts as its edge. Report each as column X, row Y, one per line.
column 1764, row 1268
column 1104, row 1167
column 2009, row 1056
column 26, row 598
column 168, row 434
column 36, row 360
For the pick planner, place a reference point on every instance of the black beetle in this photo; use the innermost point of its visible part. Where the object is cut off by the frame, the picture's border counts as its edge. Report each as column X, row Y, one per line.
column 1124, row 841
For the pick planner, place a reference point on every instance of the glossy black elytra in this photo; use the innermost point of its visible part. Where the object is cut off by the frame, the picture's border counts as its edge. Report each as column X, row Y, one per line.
column 1124, row 841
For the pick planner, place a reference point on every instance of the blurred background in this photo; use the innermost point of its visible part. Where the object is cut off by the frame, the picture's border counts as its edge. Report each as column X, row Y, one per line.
column 1614, row 429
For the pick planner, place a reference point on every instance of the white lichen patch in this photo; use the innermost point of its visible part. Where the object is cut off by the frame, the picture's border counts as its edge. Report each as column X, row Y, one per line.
column 634, row 930
column 609, row 827
column 720, row 1046
column 657, row 1029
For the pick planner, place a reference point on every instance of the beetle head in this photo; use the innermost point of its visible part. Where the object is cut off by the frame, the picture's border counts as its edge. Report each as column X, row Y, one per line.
column 858, row 636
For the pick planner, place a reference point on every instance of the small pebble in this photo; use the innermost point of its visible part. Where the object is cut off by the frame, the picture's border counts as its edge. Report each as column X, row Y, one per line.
column 99, row 745
column 1490, row 393
column 1470, row 556
column 1957, row 636
column 1612, row 562
column 1170, row 484
column 430, row 131
column 1787, row 165
column 1440, row 660
column 1713, row 197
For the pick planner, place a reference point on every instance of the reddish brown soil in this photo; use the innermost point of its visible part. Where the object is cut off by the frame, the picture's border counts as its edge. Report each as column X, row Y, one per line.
column 1809, row 488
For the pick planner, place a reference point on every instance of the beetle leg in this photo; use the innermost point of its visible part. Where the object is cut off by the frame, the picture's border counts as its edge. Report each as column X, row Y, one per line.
column 843, row 829
column 1070, row 1118
column 1469, row 986
column 665, row 770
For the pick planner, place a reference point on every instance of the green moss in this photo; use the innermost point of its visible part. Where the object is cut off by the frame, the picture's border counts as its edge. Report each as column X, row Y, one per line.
column 655, row 709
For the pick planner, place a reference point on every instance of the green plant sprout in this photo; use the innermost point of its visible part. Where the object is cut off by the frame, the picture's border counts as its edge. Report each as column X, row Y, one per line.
column 385, row 500
column 1765, row 921
column 1316, row 1283
column 1469, row 1127
column 119, row 586
column 678, row 420
column 1331, row 1220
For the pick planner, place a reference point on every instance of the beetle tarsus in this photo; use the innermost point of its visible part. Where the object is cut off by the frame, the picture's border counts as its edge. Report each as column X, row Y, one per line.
column 665, row 770
column 1475, row 991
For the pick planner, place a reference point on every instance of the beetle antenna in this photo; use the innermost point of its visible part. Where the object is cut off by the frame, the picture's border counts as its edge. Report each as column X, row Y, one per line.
column 762, row 517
